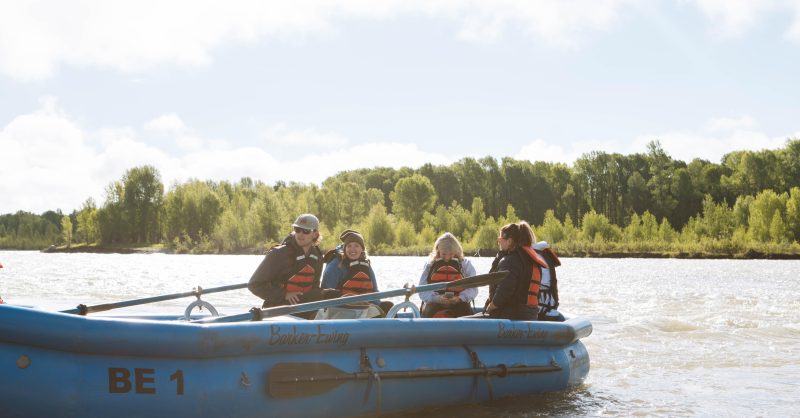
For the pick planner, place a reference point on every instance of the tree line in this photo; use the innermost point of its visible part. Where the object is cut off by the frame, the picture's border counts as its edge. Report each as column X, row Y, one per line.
column 604, row 202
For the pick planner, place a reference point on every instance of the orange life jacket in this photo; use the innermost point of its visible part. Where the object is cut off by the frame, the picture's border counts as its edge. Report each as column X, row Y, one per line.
column 356, row 280
column 536, row 277
column 446, row 271
column 303, row 278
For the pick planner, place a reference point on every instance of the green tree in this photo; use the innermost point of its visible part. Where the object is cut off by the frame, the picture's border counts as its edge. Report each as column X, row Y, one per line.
column 596, row 225
column 111, row 218
column 66, row 230
column 191, row 208
column 444, row 181
column 552, row 230
column 412, row 197
column 379, row 230
column 88, row 228
column 762, row 213
column 661, row 182
column 142, row 200
column 789, row 164
column 793, row 213
column 777, row 228
column 486, row 237
column 405, row 236
column 477, row 214
column 666, row 232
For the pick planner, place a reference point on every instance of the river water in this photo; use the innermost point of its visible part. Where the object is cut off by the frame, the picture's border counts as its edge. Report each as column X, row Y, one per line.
column 671, row 337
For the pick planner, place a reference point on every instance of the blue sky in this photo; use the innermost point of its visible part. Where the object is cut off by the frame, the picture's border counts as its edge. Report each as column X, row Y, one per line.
column 299, row 90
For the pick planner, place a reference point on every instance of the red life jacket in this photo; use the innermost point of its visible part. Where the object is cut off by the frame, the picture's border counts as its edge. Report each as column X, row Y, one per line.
column 446, row 271
column 356, row 281
column 536, row 277
column 303, row 278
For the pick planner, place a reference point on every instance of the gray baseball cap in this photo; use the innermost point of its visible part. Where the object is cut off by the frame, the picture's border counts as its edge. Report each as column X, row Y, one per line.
column 307, row 221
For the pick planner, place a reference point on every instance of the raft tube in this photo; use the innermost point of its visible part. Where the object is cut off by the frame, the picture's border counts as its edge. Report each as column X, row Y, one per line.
column 56, row 364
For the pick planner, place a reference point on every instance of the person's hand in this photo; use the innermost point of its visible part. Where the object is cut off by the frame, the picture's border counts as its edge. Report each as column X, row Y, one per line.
column 444, row 300
column 491, row 307
column 293, row 297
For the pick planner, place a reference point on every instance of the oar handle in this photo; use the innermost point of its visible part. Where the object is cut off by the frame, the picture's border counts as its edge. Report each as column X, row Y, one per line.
column 83, row 309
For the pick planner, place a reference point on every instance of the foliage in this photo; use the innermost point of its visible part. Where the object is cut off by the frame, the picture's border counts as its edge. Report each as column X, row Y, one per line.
column 644, row 202
column 412, row 198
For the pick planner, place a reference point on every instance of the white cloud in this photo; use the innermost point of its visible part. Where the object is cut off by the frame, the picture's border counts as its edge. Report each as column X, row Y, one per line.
column 732, row 18
column 50, row 162
column 726, row 124
column 36, row 38
column 169, row 123
column 794, row 30
column 719, row 137
column 45, row 162
column 281, row 135
column 384, row 154
column 716, row 138
column 541, row 150
column 172, row 127
column 556, row 22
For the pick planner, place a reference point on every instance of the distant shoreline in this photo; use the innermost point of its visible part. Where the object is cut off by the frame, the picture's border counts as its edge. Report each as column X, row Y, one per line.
column 748, row 255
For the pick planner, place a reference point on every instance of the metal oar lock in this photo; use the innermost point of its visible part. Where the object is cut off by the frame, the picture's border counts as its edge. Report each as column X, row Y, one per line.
column 200, row 304
column 406, row 304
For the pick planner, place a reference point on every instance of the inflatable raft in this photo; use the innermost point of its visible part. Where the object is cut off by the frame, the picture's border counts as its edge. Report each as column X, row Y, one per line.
column 65, row 365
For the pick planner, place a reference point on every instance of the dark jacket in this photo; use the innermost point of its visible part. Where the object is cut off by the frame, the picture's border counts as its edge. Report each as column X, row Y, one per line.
column 510, row 295
column 281, row 262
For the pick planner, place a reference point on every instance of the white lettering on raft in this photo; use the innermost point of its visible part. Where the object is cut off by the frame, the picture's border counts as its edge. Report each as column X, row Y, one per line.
column 530, row 333
column 293, row 337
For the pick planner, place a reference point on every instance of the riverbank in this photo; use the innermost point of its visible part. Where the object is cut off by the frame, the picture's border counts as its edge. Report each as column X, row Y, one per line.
column 749, row 254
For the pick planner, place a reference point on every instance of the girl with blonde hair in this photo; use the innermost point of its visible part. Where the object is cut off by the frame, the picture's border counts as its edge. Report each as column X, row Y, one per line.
column 447, row 264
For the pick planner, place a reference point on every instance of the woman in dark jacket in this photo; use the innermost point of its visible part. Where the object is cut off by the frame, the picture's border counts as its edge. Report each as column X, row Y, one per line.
column 516, row 296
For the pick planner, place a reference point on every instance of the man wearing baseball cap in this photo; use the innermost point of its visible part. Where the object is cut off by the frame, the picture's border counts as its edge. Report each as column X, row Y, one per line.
column 290, row 272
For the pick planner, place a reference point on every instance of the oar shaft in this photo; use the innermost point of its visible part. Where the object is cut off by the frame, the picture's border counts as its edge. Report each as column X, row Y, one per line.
column 83, row 309
column 256, row 314
column 413, row 374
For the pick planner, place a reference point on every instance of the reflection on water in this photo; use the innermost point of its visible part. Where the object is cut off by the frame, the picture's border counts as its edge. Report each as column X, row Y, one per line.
column 671, row 337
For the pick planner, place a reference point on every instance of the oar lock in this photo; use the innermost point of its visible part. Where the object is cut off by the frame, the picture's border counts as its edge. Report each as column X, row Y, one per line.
column 410, row 290
column 200, row 304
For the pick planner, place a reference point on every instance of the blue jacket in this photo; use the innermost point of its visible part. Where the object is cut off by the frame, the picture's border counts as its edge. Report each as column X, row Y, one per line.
column 334, row 274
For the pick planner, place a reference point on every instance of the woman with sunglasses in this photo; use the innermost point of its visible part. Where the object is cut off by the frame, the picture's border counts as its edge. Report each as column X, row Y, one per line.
column 517, row 295
column 290, row 272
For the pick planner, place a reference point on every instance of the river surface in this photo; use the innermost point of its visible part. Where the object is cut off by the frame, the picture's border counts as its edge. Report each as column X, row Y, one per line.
column 671, row 337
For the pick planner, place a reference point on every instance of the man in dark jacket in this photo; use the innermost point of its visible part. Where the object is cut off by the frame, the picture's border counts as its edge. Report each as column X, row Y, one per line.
column 290, row 272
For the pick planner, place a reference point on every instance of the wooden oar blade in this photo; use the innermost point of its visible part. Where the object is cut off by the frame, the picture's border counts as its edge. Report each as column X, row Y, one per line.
column 294, row 380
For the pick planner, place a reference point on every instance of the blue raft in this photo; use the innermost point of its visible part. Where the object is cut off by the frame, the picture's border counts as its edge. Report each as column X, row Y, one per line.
column 57, row 364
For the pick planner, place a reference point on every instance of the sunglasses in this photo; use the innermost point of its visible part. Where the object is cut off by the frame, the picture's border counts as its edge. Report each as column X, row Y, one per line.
column 298, row 230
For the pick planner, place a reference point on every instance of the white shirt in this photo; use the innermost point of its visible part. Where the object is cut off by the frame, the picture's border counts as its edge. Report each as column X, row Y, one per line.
column 467, row 295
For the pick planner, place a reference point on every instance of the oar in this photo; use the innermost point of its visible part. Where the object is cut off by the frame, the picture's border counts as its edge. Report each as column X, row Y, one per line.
column 257, row 314
column 291, row 380
column 83, row 309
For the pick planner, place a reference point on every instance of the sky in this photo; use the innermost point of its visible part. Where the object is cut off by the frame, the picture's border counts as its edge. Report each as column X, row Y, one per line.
column 300, row 90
